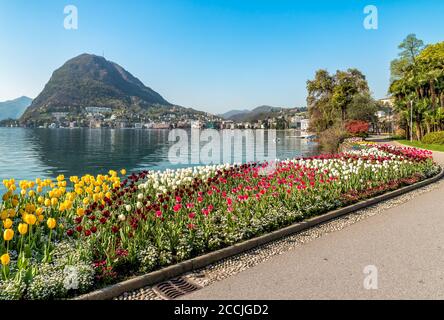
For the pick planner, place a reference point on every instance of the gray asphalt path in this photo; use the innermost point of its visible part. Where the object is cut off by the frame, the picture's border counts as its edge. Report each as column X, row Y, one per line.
column 405, row 244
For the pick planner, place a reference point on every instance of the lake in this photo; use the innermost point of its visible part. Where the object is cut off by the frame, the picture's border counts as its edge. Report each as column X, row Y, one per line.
column 26, row 154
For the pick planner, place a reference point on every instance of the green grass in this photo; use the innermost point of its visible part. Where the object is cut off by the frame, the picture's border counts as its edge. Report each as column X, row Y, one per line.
column 418, row 144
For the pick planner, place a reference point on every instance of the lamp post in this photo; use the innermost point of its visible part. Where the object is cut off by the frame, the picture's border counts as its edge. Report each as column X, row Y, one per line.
column 411, row 120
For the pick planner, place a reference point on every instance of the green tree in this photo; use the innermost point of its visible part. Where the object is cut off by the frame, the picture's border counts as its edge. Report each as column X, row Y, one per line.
column 410, row 48
column 348, row 84
column 334, row 99
column 320, row 109
column 418, row 81
column 363, row 107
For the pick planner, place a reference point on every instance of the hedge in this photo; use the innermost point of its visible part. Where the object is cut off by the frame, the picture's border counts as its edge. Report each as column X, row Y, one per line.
column 434, row 138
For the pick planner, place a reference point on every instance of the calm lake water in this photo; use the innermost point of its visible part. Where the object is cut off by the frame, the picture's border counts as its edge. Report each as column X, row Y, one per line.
column 46, row 153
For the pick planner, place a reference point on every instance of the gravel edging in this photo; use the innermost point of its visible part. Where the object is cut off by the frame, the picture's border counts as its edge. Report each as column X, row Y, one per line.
column 212, row 257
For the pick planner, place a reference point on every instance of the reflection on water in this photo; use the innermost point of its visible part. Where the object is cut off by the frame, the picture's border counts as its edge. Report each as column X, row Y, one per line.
column 46, row 153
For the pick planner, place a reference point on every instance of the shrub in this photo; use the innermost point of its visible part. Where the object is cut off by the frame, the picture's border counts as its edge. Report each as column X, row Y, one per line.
column 400, row 133
column 331, row 138
column 434, row 138
column 357, row 128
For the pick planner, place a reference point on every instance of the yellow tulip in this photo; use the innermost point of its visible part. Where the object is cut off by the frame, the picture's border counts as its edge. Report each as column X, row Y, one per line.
column 7, row 223
column 5, row 259
column 47, row 202
column 54, row 201
column 123, row 172
column 74, row 179
column 22, row 228
column 80, row 212
column 6, row 196
column 8, row 234
column 15, row 202
column 30, row 219
column 12, row 213
column 31, row 193
column 30, row 208
column 4, row 214
column 68, row 204
column 51, row 223
column 41, row 218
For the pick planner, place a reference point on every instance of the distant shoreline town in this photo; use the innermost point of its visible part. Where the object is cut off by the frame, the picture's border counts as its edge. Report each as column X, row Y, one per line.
column 102, row 117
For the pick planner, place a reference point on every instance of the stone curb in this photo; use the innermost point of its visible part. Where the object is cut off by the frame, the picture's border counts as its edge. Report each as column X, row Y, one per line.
column 212, row 257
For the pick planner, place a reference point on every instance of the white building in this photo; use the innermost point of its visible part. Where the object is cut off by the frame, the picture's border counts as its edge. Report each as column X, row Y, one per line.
column 299, row 123
column 388, row 102
column 196, row 125
column 305, row 124
column 97, row 110
column 59, row 115
column 380, row 114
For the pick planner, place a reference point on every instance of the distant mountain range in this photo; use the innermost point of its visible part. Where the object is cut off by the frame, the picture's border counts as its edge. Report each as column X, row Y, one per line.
column 92, row 81
column 14, row 109
column 259, row 113
column 231, row 113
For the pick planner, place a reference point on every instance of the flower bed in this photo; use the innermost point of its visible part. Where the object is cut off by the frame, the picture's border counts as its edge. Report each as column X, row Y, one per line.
column 61, row 240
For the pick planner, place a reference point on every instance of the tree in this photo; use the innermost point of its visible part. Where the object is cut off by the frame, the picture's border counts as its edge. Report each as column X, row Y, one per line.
column 363, row 107
column 418, row 80
column 320, row 109
column 411, row 47
column 348, row 84
column 332, row 97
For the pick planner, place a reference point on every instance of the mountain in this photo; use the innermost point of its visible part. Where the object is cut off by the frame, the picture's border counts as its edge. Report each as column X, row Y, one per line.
column 92, row 81
column 232, row 113
column 14, row 109
column 259, row 113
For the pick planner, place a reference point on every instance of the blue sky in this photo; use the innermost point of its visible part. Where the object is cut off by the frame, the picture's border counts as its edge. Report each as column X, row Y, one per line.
column 213, row 55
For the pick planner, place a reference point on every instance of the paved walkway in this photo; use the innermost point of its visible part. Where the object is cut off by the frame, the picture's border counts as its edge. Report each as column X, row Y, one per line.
column 405, row 243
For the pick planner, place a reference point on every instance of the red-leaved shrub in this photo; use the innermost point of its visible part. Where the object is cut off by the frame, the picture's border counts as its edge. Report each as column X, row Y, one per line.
column 357, row 127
